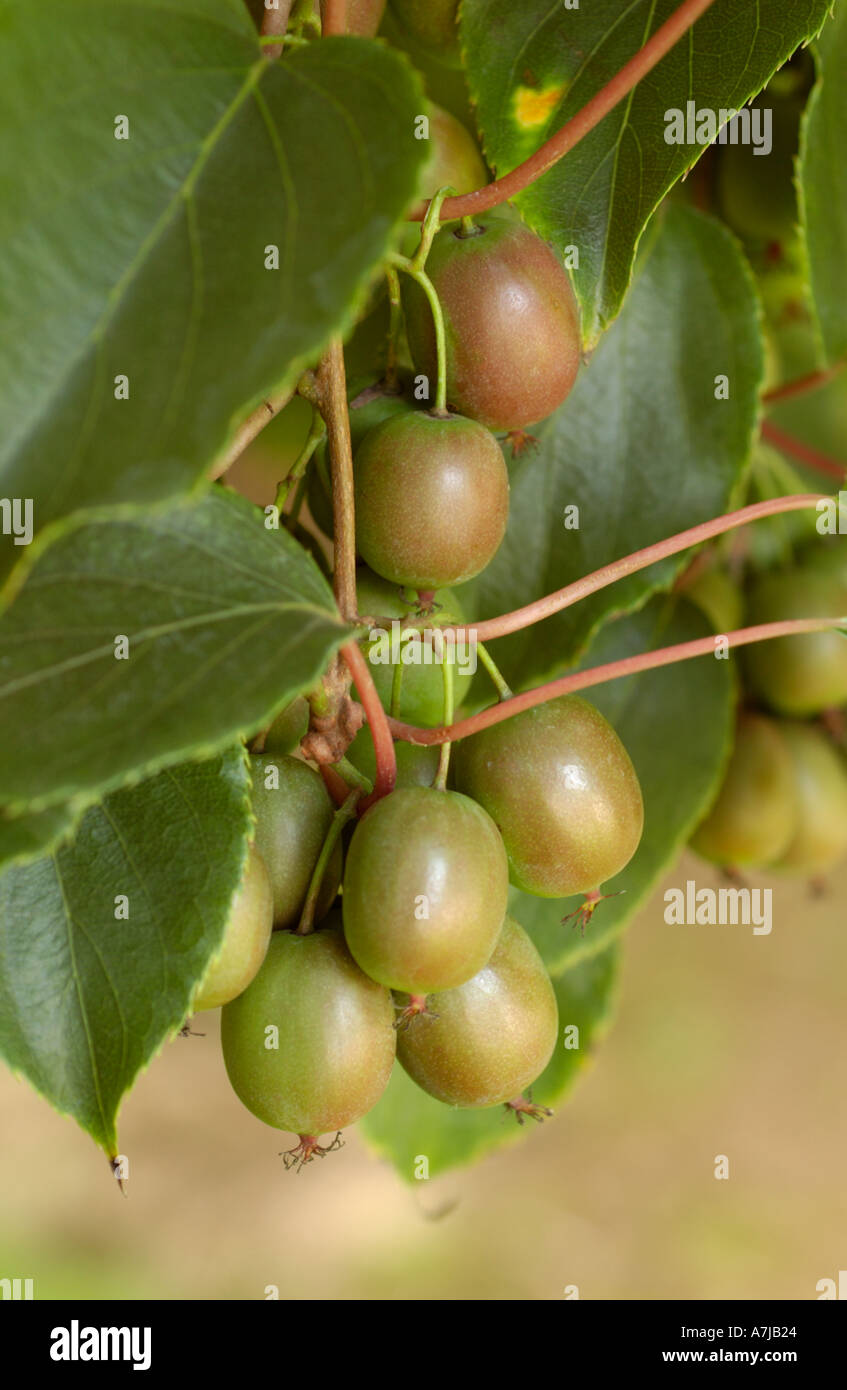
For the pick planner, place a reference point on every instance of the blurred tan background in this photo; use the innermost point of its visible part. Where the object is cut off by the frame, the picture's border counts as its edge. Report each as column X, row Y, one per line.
column 725, row 1043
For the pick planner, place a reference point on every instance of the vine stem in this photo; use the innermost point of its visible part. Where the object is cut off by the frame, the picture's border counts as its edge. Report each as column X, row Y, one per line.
column 630, row 564
column 804, row 453
column 274, row 26
column 579, row 125
column 332, row 386
column 613, row 670
column 334, row 18
column 248, row 431
column 802, row 384
column 386, row 761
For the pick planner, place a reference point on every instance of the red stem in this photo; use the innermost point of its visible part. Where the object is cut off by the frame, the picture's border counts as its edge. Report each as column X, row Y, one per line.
column 630, row 564
column 804, row 453
column 386, row 762
column 600, row 675
column 802, row 384
column 579, row 125
column 334, row 18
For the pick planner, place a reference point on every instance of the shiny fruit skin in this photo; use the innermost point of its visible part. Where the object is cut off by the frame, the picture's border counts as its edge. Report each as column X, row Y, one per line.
column 421, row 850
column 492, row 1036
column 560, row 786
column 422, row 686
column 245, row 941
column 820, row 785
column 454, row 158
column 336, row 1037
column 292, row 820
column 431, row 23
column 754, row 818
column 289, row 728
column 798, row 675
column 432, row 499
column 511, row 320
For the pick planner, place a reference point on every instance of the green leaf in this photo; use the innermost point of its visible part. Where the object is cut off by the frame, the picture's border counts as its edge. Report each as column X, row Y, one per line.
column 407, row 1125
column 532, row 66
column 87, row 997
column 31, row 834
column 145, row 257
column 642, row 446
column 224, row 622
column 823, row 185
column 677, row 725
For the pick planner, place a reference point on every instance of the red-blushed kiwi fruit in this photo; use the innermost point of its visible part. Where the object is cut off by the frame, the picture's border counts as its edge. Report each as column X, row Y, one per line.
column 421, row 692
column 754, row 818
column 798, row 675
column 488, row 1039
column 245, row 941
column 293, row 814
column 820, row 787
column 561, row 788
column 425, row 890
column 511, row 322
column 368, row 404
column 432, row 499
column 329, row 1060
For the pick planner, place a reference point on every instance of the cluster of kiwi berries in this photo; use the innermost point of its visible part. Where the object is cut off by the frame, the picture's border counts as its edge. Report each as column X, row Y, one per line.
column 783, row 802
column 418, row 958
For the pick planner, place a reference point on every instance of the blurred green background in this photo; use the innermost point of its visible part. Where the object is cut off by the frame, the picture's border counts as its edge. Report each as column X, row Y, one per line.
column 725, row 1043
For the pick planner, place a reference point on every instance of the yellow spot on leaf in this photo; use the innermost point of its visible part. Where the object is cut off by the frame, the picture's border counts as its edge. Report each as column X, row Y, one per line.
column 533, row 107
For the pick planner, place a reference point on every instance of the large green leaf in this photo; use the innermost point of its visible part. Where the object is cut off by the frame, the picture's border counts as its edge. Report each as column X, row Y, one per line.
column 642, row 446
column 145, row 257
column 32, row 833
column 534, row 65
column 677, row 725
column 823, row 185
column 223, row 620
column 407, row 1125
column 88, row 996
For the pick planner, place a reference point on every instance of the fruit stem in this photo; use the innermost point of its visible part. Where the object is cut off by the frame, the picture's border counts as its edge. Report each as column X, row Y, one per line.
column 630, row 564
column 353, row 776
column 613, row 670
column 440, row 782
column 429, row 230
column 317, row 432
column 333, row 406
column 386, row 761
column 503, row 689
column 345, row 812
column 403, row 263
column 396, row 688
column 580, row 124
column 804, row 453
column 395, row 325
column 802, row 384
